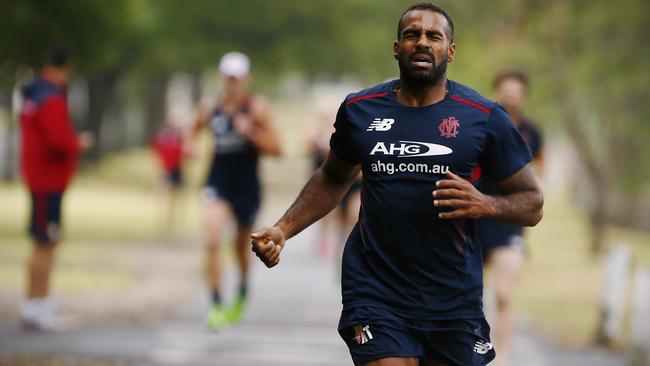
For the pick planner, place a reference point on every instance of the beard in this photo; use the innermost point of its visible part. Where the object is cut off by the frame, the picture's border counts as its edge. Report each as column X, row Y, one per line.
column 422, row 78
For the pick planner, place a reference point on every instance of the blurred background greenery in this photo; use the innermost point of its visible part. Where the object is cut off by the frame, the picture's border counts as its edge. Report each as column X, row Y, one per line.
column 590, row 89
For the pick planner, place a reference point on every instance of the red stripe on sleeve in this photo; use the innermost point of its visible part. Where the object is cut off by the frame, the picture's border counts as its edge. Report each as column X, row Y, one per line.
column 366, row 97
column 475, row 174
column 475, row 105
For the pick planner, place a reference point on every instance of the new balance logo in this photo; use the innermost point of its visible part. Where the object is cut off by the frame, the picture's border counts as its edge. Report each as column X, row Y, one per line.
column 482, row 347
column 362, row 334
column 379, row 124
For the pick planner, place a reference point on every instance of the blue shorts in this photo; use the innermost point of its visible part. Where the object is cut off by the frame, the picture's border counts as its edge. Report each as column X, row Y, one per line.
column 494, row 234
column 174, row 178
column 377, row 333
column 45, row 218
column 317, row 160
column 244, row 202
column 355, row 188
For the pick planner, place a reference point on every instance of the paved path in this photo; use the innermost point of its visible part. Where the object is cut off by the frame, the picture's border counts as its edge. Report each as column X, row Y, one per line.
column 291, row 320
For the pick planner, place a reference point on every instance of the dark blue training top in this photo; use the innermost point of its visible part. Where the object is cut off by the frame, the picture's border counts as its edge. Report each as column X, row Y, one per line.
column 234, row 166
column 400, row 256
column 490, row 232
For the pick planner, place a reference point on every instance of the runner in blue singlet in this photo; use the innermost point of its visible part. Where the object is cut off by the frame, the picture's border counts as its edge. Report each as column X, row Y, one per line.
column 241, row 125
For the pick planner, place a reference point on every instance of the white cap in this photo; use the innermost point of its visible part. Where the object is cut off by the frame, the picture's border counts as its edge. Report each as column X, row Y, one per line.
column 234, row 64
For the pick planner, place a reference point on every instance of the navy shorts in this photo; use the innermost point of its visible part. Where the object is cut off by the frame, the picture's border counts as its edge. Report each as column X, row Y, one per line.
column 354, row 189
column 174, row 178
column 493, row 234
column 317, row 160
column 458, row 342
column 45, row 218
column 244, row 202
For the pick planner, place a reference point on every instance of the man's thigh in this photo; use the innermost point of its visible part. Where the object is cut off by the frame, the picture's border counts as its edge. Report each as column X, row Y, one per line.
column 377, row 345
column 461, row 342
column 395, row 361
column 506, row 264
column 430, row 362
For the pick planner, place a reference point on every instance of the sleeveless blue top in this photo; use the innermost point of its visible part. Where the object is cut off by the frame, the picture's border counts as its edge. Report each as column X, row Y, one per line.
column 234, row 165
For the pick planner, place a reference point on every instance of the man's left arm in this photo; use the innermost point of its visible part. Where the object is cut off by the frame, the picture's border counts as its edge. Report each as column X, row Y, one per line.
column 520, row 203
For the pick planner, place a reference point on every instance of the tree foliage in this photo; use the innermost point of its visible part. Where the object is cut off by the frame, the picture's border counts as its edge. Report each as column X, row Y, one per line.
column 603, row 46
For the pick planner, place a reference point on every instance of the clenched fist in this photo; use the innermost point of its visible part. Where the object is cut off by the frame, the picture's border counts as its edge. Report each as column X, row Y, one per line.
column 462, row 197
column 267, row 245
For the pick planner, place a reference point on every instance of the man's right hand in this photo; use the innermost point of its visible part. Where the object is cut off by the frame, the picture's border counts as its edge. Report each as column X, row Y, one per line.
column 267, row 245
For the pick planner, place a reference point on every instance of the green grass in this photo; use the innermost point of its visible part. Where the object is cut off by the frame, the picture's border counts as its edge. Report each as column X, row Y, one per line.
column 116, row 200
column 561, row 287
column 115, row 203
column 71, row 279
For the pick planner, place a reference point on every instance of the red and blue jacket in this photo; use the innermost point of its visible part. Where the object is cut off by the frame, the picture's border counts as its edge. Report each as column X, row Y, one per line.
column 50, row 148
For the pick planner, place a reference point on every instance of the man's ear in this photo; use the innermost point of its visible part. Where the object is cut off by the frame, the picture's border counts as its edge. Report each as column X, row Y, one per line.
column 451, row 52
column 395, row 48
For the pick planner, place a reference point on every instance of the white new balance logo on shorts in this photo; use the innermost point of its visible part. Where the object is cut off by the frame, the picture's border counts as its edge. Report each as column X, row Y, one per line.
column 381, row 124
column 482, row 347
column 362, row 334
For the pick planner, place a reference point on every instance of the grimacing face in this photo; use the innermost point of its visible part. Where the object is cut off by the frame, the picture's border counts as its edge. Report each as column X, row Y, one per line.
column 423, row 48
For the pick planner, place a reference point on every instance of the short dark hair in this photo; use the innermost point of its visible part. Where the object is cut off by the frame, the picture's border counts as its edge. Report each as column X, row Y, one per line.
column 431, row 7
column 517, row 75
column 59, row 54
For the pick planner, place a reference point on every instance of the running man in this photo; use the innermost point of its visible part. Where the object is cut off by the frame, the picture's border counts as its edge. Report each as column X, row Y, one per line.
column 412, row 277
column 170, row 150
column 318, row 147
column 503, row 244
column 49, row 153
column 243, row 130
column 342, row 219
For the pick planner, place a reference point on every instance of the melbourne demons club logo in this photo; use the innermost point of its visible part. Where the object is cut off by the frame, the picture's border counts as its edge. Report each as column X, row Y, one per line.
column 449, row 127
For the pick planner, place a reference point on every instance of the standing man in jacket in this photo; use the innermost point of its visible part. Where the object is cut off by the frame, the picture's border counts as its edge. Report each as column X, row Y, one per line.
column 49, row 152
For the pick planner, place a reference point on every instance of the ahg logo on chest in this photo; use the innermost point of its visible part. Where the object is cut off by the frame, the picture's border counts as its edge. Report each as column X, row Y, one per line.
column 449, row 127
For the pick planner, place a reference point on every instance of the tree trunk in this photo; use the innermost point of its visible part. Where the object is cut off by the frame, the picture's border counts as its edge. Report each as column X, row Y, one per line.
column 196, row 87
column 8, row 165
column 573, row 122
column 100, row 93
column 112, row 127
column 597, row 220
column 155, row 105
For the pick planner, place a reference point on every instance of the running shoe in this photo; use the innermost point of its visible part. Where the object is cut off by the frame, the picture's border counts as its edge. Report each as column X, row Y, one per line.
column 44, row 316
column 237, row 309
column 217, row 318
